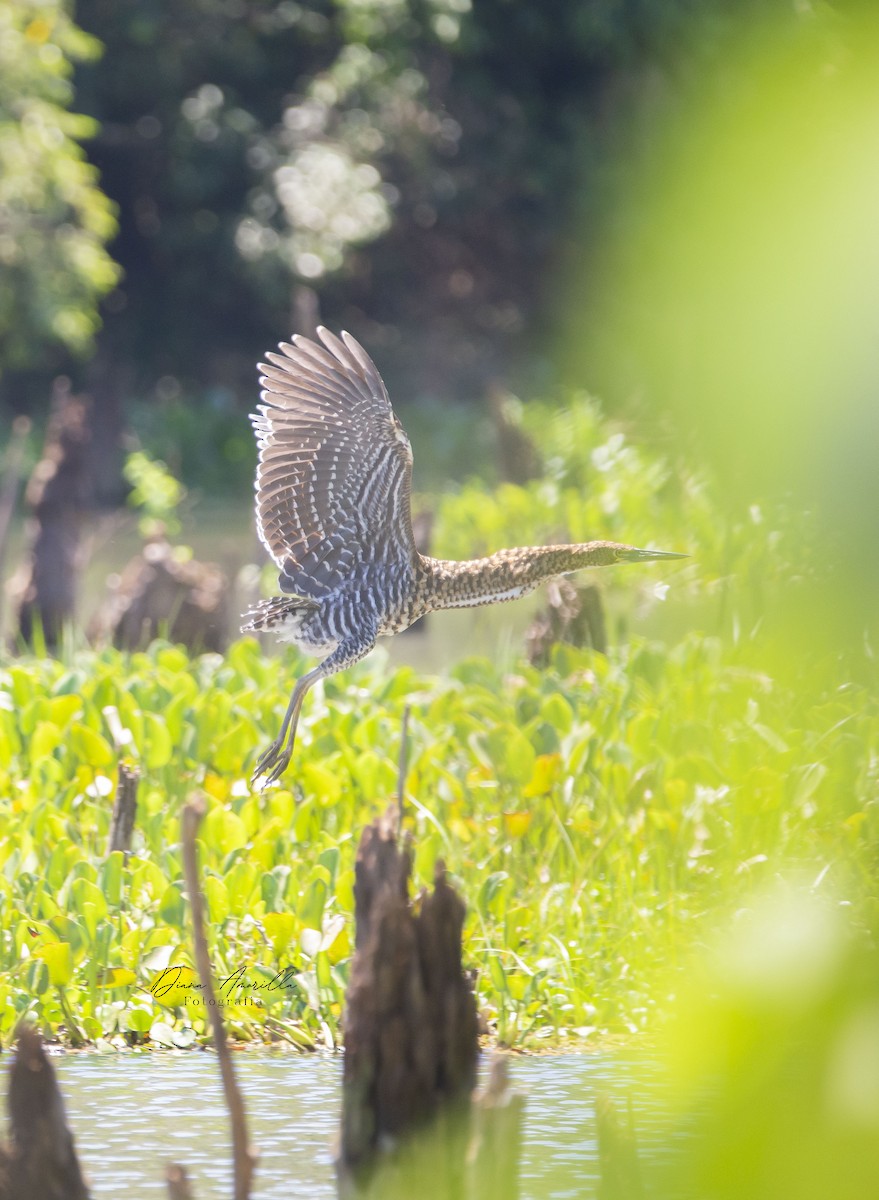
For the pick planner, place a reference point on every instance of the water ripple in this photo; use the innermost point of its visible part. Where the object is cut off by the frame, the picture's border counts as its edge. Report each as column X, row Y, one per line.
column 132, row 1114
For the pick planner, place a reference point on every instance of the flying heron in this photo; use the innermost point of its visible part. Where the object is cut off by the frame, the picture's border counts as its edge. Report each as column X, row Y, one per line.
column 332, row 509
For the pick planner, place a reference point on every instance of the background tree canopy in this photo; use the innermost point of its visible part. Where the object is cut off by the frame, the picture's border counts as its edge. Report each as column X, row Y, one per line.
column 54, row 220
column 426, row 166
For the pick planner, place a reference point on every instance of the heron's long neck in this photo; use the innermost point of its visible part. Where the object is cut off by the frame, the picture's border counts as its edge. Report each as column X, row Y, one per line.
column 508, row 573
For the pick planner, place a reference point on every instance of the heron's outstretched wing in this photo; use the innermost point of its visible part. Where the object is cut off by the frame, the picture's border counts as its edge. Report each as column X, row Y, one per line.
column 335, row 466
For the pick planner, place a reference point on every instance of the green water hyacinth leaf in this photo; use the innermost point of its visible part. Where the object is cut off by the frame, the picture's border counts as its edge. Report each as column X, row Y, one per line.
column 324, row 971
column 91, row 916
column 345, row 891
column 66, row 929
column 92, row 1028
column 329, row 858
column 173, row 985
column 314, row 899
column 58, row 867
column 91, row 748
column 172, row 908
column 158, row 748
column 280, row 929
column 111, row 878
column 240, row 883
column 58, row 958
column 116, row 977
column 46, row 738
column 557, row 712
column 498, row 974
column 217, row 899
column 273, row 885
column 61, row 709
column 494, row 893
column 147, row 881
column 229, row 750
column 511, row 755
column 173, row 659
column 83, row 892
column 808, row 779
column 139, row 1020
column 305, row 820
column 322, row 783
column 176, row 717
column 223, row 831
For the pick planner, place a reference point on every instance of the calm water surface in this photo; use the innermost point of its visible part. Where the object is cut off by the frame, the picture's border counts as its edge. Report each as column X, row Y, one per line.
column 132, row 1114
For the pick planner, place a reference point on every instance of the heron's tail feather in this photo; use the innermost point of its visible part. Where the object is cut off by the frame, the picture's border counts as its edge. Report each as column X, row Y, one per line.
column 281, row 612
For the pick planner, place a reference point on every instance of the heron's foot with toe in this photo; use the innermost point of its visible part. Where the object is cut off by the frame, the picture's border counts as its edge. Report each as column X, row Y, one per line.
column 272, row 763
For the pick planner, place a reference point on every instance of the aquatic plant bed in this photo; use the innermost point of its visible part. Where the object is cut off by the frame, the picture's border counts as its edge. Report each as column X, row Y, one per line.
column 596, row 816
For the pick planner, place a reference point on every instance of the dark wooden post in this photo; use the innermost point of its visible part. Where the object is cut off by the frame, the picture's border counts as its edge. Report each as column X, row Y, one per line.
column 178, row 1182
column 124, row 810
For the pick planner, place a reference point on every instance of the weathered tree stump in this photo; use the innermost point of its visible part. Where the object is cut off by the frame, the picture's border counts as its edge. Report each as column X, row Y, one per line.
column 12, row 471
column 40, row 1163
column 411, row 1040
column 58, row 495
column 573, row 615
column 518, row 457
column 158, row 595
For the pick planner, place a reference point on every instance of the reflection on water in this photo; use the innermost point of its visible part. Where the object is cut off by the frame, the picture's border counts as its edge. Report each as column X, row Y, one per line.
column 131, row 1114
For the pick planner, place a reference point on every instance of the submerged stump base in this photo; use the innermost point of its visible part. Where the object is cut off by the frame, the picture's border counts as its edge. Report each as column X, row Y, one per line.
column 40, row 1162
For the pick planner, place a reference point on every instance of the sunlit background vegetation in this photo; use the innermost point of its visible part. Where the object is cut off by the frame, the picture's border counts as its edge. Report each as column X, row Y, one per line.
column 652, row 228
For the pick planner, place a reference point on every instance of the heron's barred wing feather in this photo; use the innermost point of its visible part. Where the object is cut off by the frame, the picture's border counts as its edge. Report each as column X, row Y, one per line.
column 335, row 467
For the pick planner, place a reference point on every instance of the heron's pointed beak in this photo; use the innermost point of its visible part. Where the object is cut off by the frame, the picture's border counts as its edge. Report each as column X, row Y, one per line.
column 631, row 554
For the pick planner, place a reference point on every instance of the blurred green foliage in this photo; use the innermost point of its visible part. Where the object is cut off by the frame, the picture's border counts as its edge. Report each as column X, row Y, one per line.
column 773, row 1056
column 54, row 219
column 155, row 492
column 750, row 563
column 741, row 296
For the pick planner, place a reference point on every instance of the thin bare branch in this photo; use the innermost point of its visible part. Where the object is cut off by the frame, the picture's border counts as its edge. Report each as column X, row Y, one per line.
column 244, row 1156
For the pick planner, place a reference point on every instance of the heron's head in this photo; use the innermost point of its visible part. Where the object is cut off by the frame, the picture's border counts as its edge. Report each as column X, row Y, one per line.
column 633, row 554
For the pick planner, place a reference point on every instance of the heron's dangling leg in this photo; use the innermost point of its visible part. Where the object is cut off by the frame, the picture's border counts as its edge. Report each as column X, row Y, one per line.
column 276, row 758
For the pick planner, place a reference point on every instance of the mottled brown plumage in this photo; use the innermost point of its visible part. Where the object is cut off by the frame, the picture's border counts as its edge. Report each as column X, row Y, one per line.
column 332, row 508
